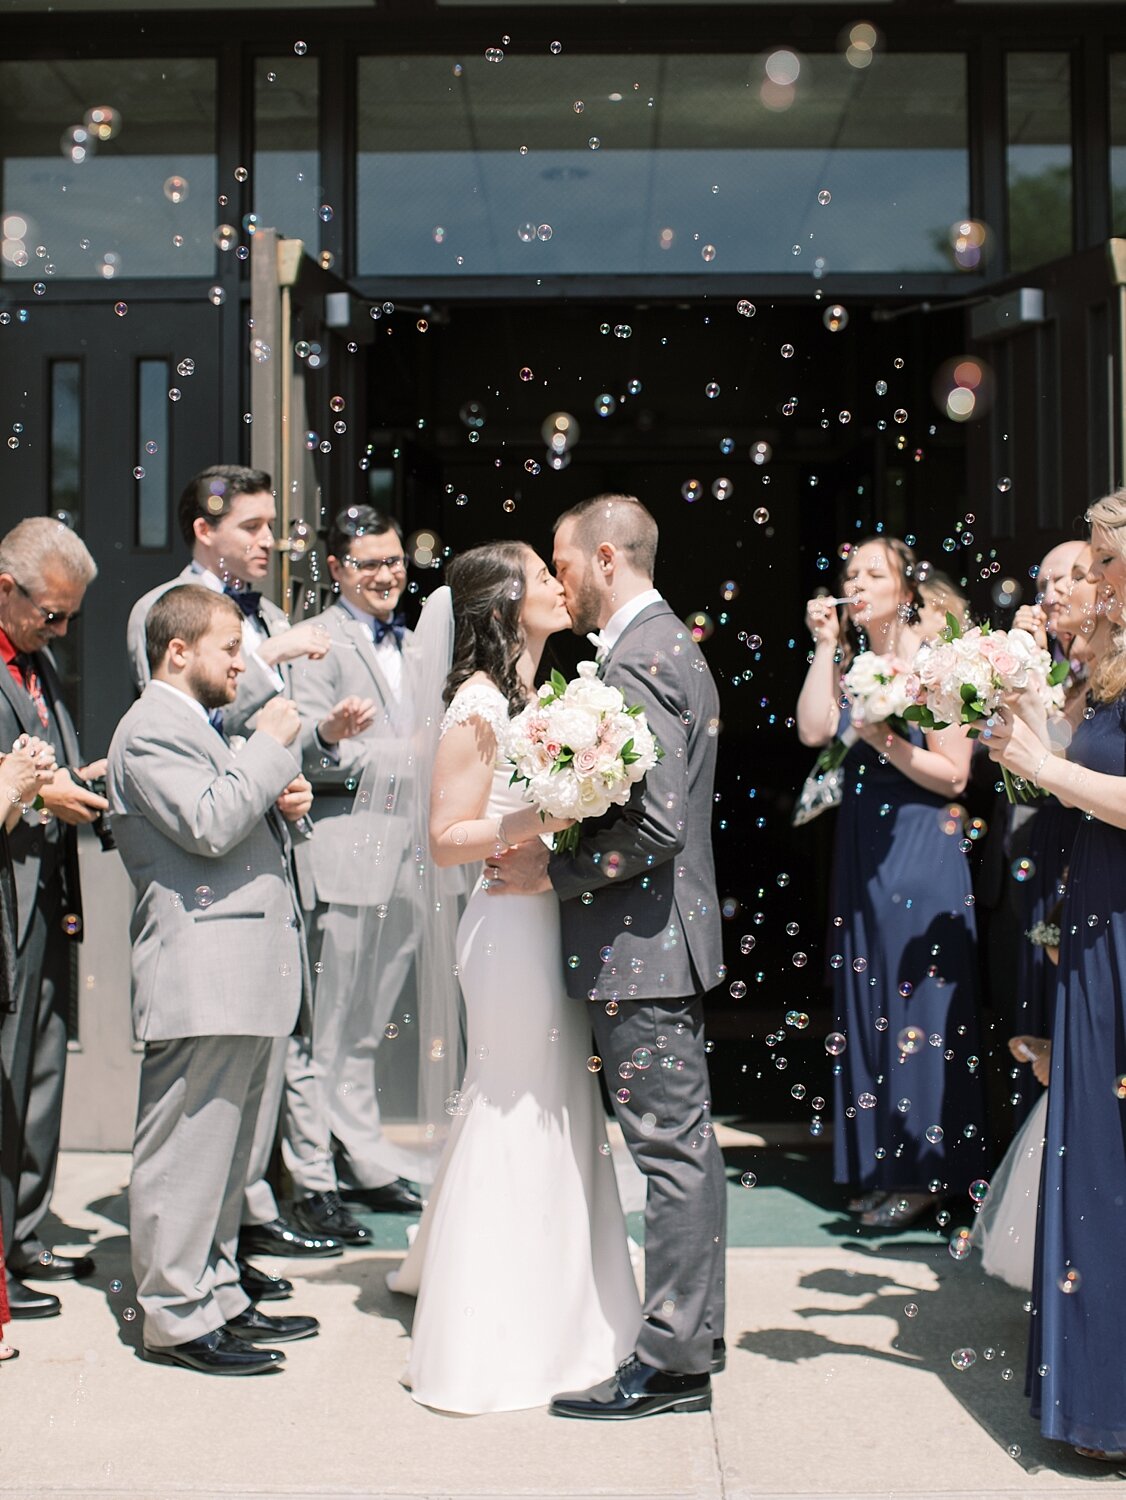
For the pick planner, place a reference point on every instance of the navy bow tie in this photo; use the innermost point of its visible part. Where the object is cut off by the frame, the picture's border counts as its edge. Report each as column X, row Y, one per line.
column 248, row 600
column 396, row 626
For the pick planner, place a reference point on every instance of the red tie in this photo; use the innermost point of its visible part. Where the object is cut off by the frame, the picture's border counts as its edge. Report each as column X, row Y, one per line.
column 34, row 689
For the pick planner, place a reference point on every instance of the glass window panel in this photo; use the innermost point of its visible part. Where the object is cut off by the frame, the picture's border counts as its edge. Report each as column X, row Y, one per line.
column 286, row 184
column 111, row 214
column 637, row 165
column 153, row 520
column 66, row 435
column 1038, row 101
column 1118, row 143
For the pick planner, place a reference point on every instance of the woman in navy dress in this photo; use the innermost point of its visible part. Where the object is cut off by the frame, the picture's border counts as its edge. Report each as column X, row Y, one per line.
column 909, row 1108
column 1078, row 1326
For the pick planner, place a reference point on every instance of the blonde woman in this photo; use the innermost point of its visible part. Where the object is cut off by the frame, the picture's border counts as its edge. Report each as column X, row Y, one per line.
column 1079, row 1288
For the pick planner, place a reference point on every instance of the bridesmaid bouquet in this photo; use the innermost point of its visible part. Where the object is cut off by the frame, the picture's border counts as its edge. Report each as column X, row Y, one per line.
column 579, row 749
column 963, row 676
column 877, row 688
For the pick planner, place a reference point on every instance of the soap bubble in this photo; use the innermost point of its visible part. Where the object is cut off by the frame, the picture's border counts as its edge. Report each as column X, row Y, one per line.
column 962, row 1359
column 745, row 309
column 176, row 189
column 761, row 516
column 1023, row 869
column 1070, row 1281
column 934, row 1134
column 910, row 1040
column 824, row 197
column 866, row 1101
column 979, row 1190
column 835, row 1043
column 959, row 1245
column 835, row 318
column 748, row 1180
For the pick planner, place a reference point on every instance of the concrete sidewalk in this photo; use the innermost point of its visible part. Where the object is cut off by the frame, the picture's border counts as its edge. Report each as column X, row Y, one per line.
column 832, row 1389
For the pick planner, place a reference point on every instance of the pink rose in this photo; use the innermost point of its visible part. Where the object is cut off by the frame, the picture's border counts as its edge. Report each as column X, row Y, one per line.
column 553, row 748
column 586, row 762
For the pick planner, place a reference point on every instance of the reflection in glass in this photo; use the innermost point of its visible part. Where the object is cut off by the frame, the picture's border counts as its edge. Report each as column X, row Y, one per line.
column 141, row 201
column 580, row 164
column 1038, row 105
column 1118, row 143
column 285, row 184
column 66, row 435
column 152, row 498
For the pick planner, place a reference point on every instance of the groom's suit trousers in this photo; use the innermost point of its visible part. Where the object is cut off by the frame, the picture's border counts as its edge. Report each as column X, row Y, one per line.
column 668, row 1129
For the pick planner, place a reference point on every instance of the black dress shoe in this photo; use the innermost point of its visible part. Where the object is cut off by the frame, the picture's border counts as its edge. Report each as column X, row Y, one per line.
column 397, row 1197
column 259, row 1328
column 24, row 1303
column 259, row 1286
column 636, row 1390
column 218, row 1353
column 279, row 1238
column 719, row 1357
column 51, row 1267
column 323, row 1214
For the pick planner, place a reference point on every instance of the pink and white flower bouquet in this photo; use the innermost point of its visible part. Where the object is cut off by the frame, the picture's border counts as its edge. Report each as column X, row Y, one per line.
column 878, row 689
column 962, row 677
column 579, row 749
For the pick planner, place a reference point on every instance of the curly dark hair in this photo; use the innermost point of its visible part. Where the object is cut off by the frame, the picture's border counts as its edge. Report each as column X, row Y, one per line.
column 487, row 585
column 901, row 560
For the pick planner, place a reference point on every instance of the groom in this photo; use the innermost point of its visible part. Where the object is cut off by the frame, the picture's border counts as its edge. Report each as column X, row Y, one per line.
column 648, row 946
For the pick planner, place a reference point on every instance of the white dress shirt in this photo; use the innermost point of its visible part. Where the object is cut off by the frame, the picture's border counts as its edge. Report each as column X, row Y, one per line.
column 388, row 652
column 616, row 624
column 254, row 633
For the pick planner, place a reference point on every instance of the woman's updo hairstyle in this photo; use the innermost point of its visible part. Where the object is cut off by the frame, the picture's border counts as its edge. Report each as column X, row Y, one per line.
column 487, row 586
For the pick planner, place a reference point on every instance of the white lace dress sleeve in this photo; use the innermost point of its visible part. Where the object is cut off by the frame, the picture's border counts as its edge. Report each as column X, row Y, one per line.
column 478, row 700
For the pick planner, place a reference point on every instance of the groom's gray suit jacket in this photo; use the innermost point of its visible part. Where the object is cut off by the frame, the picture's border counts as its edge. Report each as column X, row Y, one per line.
column 649, row 865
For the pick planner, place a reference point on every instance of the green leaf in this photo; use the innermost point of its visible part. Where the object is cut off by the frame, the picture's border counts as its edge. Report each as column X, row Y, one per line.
column 969, row 692
column 972, row 734
column 634, row 711
column 1058, row 673
column 953, row 631
column 558, row 682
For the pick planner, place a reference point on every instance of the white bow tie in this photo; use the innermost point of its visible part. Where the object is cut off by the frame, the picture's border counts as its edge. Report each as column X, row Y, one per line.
column 599, row 642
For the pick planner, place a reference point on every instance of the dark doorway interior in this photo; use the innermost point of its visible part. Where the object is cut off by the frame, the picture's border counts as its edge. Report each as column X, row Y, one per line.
column 455, row 425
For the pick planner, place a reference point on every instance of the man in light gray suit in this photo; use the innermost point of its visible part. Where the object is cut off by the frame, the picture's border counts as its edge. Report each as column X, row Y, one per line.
column 362, row 961
column 227, row 516
column 639, row 909
column 219, row 970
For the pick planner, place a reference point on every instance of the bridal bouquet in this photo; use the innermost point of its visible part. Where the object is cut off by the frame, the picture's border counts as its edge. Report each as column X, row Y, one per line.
column 579, row 749
column 878, row 690
column 963, row 676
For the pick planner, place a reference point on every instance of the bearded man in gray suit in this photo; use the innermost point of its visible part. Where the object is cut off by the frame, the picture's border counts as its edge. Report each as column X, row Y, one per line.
column 639, row 910
column 227, row 516
column 219, row 971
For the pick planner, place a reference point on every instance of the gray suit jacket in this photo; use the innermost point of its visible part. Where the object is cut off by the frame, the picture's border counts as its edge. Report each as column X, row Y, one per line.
column 655, row 905
column 334, row 866
column 32, row 845
column 255, row 686
column 216, row 931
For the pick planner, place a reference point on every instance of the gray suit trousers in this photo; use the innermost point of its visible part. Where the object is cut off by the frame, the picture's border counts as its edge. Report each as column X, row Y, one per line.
column 668, row 1130
column 195, row 1122
column 33, row 1043
column 260, row 1206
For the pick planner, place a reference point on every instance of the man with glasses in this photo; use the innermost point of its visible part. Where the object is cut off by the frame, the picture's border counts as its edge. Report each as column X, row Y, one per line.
column 44, row 572
column 362, row 931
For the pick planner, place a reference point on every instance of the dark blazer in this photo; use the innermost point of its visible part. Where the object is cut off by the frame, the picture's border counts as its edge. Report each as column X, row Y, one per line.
column 28, row 843
column 649, row 865
column 9, row 918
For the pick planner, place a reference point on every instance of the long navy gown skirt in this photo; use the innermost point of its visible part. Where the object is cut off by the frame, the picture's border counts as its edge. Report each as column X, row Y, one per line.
column 1078, row 1334
column 901, row 945
column 1047, row 850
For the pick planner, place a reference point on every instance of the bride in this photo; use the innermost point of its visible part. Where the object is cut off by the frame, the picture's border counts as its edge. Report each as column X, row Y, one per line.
column 521, row 1266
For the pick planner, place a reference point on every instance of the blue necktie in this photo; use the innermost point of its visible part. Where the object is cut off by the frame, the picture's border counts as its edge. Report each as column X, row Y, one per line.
column 396, row 626
column 215, row 719
column 247, row 600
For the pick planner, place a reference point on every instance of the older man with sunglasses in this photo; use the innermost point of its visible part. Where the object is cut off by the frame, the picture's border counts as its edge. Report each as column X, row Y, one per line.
column 44, row 572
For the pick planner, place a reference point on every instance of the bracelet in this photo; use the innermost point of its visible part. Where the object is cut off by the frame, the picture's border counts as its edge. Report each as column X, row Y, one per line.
column 1047, row 755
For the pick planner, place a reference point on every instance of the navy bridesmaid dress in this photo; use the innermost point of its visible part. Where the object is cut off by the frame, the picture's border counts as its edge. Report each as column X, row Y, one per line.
column 901, row 945
column 1047, row 849
column 1078, row 1334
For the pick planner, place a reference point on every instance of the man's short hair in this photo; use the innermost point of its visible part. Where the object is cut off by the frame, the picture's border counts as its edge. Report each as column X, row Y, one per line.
column 358, row 520
column 208, row 495
column 621, row 520
column 39, row 543
column 184, row 613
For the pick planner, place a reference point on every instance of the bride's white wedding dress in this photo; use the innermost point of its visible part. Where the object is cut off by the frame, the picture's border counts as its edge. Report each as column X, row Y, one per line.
column 520, row 1266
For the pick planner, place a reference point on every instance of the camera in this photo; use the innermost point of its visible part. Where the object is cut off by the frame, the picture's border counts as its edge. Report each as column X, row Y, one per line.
column 102, row 824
